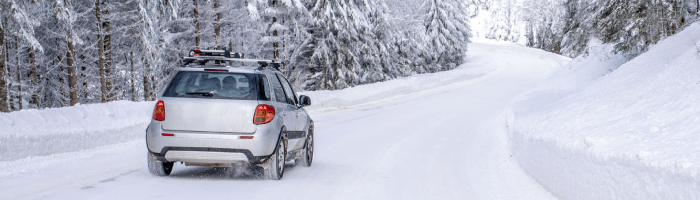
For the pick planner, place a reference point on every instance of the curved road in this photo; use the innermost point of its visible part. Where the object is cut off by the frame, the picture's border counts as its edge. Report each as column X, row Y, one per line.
column 444, row 143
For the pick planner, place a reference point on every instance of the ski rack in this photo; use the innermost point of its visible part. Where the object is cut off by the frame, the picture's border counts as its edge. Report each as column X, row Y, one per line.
column 204, row 56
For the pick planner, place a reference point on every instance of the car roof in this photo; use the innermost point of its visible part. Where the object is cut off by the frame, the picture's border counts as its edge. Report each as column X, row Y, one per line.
column 237, row 69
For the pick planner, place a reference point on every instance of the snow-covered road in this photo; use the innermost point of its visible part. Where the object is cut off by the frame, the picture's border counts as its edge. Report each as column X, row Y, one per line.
column 448, row 142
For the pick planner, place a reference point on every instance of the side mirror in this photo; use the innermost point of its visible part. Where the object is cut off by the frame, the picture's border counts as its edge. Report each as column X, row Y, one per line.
column 304, row 100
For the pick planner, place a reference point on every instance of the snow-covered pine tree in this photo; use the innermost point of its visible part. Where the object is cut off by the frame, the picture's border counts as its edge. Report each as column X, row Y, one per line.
column 635, row 25
column 577, row 28
column 503, row 22
column 18, row 21
column 336, row 29
column 400, row 25
column 151, row 29
column 409, row 41
column 447, row 26
column 63, row 10
column 49, row 64
column 379, row 62
column 284, row 22
column 544, row 24
column 102, row 34
column 244, row 32
column 340, row 43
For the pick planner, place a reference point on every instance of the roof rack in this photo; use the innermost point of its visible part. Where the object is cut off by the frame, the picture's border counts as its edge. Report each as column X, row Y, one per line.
column 204, row 56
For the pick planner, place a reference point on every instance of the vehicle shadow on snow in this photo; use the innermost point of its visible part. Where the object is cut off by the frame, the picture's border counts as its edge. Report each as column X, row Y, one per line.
column 224, row 173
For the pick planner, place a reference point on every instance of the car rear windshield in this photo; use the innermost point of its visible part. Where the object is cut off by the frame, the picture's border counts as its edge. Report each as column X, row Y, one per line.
column 218, row 85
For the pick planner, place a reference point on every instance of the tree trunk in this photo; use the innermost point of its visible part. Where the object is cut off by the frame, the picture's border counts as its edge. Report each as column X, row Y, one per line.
column 4, row 98
column 19, row 77
column 242, row 47
column 146, row 88
column 217, row 23
column 84, row 80
column 34, row 78
column 11, row 97
column 72, row 74
column 107, row 51
column 62, row 80
column 153, row 88
column 198, row 39
column 275, row 44
column 146, row 84
column 13, row 105
column 230, row 48
column 133, row 79
column 100, row 52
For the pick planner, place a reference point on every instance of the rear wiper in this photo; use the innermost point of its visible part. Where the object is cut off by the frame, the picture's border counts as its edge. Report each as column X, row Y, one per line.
column 206, row 94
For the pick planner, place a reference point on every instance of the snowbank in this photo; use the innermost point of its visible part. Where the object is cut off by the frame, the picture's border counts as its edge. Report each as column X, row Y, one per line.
column 593, row 132
column 42, row 132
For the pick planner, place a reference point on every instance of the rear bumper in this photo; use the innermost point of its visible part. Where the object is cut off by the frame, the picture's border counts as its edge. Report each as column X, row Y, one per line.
column 207, row 155
column 209, row 147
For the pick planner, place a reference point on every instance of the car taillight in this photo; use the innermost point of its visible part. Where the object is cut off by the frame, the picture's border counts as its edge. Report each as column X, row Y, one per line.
column 264, row 114
column 159, row 111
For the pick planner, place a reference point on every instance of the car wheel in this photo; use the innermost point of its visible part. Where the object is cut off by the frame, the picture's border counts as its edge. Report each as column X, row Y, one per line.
column 159, row 168
column 307, row 155
column 276, row 169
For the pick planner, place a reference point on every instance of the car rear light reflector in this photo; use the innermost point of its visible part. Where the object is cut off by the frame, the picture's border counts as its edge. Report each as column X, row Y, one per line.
column 167, row 134
column 263, row 114
column 215, row 70
column 197, row 52
column 159, row 111
column 246, row 137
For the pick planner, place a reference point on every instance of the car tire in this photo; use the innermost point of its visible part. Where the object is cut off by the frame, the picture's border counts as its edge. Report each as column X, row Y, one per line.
column 159, row 168
column 276, row 169
column 307, row 155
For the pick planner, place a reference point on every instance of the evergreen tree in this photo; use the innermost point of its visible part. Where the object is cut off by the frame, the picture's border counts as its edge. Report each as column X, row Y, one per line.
column 503, row 22
column 635, row 25
column 335, row 38
column 91, row 51
column 66, row 17
column 284, row 22
column 544, row 24
column 577, row 28
column 447, row 26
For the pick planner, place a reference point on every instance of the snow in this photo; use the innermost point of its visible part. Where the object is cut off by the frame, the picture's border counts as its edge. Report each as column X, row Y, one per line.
column 596, row 131
column 324, row 100
column 601, row 127
column 438, row 136
column 55, row 130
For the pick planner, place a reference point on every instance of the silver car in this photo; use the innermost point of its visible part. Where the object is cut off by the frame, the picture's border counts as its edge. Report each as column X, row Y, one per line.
column 217, row 115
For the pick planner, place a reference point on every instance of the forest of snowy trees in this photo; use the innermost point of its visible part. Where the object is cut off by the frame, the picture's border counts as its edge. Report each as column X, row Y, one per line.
column 567, row 26
column 57, row 53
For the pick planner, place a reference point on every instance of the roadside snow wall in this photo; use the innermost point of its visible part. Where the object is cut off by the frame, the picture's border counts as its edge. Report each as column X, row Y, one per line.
column 596, row 131
column 43, row 132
